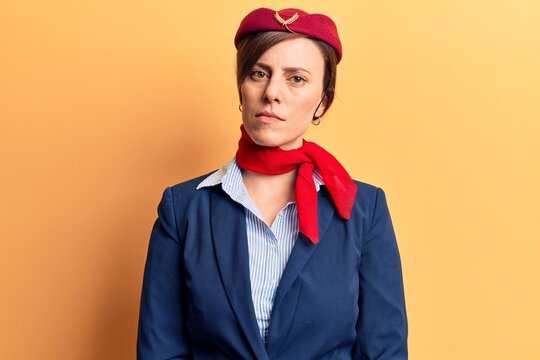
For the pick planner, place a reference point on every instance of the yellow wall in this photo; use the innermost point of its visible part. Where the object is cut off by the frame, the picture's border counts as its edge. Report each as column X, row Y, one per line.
column 104, row 103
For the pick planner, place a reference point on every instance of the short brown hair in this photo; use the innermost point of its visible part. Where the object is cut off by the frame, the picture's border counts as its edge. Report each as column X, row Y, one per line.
column 253, row 46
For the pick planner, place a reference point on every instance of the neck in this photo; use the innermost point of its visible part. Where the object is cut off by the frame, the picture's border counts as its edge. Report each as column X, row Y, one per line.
column 279, row 186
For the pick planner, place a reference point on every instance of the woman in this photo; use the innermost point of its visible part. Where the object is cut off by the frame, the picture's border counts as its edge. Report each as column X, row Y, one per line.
column 278, row 254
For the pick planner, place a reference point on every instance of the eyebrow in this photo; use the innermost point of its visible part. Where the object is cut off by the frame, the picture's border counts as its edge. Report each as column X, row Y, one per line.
column 287, row 69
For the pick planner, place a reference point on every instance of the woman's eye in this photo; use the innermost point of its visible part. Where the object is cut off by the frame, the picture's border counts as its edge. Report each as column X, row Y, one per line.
column 257, row 74
column 298, row 79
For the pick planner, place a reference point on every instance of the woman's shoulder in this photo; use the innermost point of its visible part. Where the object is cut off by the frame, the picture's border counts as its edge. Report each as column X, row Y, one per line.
column 190, row 185
column 188, row 189
column 368, row 195
column 180, row 197
column 202, row 182
column 365, row 189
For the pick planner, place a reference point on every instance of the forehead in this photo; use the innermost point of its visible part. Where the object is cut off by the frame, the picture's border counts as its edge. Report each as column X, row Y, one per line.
column 299, row 52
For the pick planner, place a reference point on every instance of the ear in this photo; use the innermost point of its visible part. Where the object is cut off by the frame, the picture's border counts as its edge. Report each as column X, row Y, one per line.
column 322, row 106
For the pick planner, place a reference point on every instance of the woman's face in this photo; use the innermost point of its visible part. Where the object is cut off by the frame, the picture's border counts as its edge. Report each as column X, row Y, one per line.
column 280, row 95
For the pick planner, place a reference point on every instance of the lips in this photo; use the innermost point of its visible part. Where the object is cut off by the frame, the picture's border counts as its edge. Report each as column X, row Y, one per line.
column 268, row 115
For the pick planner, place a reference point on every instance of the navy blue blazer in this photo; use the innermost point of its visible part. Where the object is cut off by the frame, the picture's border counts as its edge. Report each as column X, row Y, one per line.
column 339, row 299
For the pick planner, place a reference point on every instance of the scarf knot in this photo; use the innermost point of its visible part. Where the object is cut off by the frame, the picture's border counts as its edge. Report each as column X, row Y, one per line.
column 307, row 158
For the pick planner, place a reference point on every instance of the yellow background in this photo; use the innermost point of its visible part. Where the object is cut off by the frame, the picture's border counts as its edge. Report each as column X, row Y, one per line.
column 105, row 103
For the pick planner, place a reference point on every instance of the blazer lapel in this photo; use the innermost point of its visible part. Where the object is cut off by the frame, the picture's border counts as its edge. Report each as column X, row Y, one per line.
column 228, row 224
column 301, row 252
column 303, row 248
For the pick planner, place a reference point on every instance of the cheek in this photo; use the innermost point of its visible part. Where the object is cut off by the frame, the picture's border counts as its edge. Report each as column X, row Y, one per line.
column 250, row 91
column 303, row 115
column 242, row 91
column 306, row 104
column 245, row 92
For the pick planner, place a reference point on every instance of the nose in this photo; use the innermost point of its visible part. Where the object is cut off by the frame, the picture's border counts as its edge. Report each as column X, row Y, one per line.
column 273, row 91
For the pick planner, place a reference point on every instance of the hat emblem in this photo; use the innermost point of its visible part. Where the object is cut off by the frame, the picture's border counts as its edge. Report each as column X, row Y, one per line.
column 287, row 22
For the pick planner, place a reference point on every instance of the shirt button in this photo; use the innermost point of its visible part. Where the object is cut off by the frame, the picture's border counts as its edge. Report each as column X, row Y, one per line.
column 273, row 246
column 272, row 281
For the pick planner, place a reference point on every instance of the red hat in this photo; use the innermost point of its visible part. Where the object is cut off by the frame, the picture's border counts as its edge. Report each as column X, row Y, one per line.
column 317, row 26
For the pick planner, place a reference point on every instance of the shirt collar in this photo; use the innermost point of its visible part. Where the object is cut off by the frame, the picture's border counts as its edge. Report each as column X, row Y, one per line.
column 226, row 171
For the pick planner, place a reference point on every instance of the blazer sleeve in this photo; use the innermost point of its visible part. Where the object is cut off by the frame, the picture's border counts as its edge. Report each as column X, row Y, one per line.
column 382, row 324
column 162, row 331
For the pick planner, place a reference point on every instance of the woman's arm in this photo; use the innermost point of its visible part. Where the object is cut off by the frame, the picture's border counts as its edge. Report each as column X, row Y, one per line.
column 162, row 330
column 382, row 324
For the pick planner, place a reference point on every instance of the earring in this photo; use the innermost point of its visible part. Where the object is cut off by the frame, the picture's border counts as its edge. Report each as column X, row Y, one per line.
column 317, row 119
column 240, row 108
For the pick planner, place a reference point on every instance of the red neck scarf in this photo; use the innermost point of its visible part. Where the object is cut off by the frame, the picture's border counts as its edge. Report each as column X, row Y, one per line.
column 274, row 161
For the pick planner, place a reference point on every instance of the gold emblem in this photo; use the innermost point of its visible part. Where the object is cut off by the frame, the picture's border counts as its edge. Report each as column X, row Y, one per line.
column 287, row 22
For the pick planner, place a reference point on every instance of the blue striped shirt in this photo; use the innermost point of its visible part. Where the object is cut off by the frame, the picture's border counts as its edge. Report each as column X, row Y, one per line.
column 269, row 247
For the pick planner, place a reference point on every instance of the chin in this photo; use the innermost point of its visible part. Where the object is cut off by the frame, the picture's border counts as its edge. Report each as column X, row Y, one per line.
column 260, row 135
column 277, row 141
column 271, row 137
column 265, row 140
